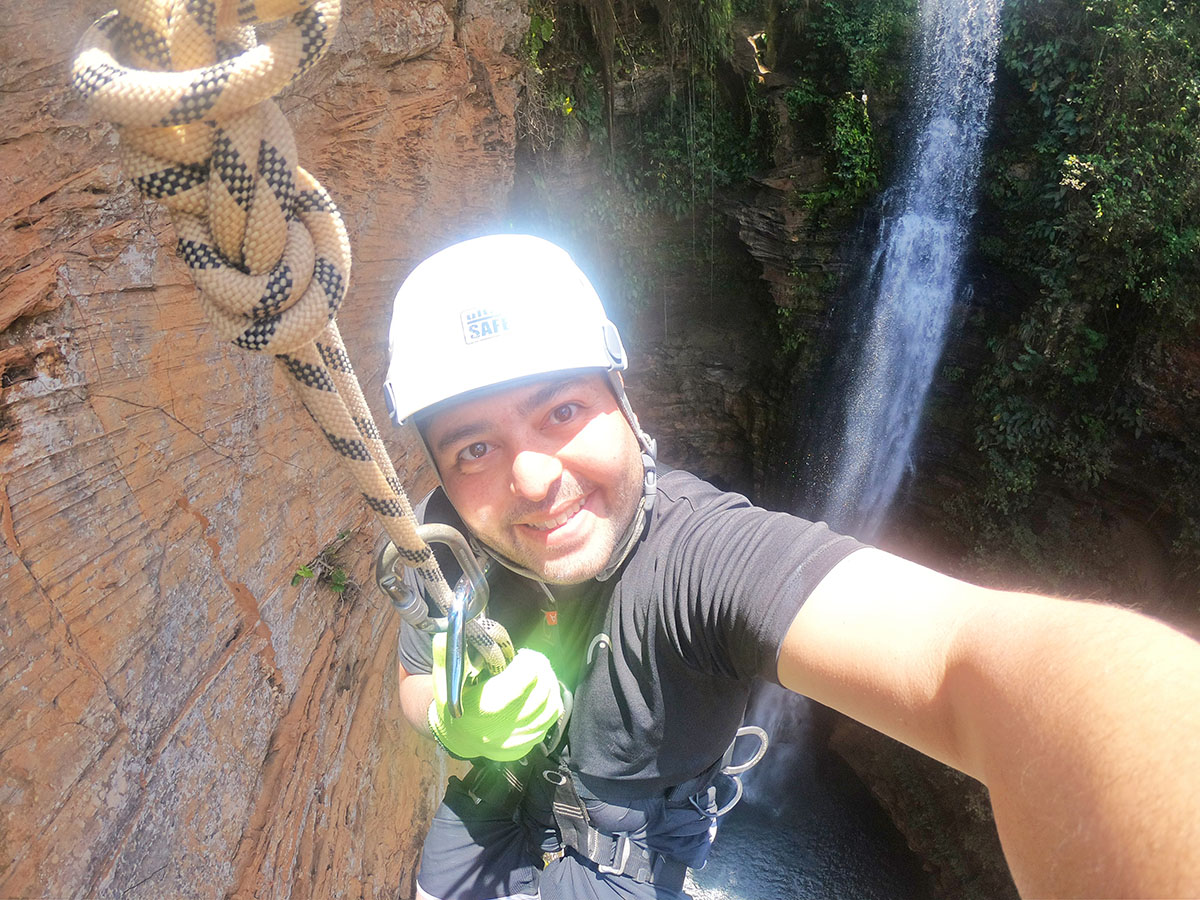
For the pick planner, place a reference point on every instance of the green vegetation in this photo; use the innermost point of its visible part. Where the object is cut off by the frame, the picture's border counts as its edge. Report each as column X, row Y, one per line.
column 700, row 126
column 849, row 57
column 326, row 568
column 678, row 154
column 853, row 45
column 1096, row 186
column 690, row 134
column 852, row 162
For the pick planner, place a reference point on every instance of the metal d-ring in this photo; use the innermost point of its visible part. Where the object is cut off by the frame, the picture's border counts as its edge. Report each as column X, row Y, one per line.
column 755, row 758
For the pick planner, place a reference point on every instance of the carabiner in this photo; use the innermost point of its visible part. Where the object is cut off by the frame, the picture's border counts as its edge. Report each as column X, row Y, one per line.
column 471, row 595
column 456, row 657
column 472, row 586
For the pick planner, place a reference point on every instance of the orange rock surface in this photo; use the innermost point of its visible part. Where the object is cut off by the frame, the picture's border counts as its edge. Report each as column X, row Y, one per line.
column 176, row 718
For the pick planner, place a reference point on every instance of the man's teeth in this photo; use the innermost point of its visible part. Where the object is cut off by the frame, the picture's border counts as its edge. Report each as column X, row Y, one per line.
column 562, row 518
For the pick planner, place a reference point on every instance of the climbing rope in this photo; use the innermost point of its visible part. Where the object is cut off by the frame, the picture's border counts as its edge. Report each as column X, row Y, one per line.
column 189, row 87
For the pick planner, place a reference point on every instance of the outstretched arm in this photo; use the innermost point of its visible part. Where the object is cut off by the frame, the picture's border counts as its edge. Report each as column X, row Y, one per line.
column 1083, row 720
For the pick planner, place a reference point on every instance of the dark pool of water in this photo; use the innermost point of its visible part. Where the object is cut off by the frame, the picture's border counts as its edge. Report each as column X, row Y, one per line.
column 808, row 830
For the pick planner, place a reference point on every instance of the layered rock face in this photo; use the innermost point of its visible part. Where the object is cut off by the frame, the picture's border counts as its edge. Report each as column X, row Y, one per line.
column 176, row 717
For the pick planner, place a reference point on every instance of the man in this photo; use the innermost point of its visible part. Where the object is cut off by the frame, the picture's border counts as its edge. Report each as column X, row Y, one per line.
column 656, row 600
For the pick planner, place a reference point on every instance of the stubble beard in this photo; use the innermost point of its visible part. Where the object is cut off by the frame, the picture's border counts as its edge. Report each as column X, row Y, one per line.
column 591, row 559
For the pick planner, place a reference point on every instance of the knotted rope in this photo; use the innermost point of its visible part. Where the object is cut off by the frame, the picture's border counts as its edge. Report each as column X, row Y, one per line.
column 189, row 87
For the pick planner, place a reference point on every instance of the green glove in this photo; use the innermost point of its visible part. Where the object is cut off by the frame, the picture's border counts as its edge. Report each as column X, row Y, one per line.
column 504, row 716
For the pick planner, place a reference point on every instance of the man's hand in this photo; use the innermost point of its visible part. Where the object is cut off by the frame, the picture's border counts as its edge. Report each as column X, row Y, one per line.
column 504, row 716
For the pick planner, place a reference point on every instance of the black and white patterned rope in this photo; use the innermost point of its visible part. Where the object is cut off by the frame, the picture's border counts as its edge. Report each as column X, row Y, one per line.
column 189, row 87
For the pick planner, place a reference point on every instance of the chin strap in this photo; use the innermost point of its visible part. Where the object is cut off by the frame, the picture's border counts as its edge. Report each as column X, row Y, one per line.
column 649, row 480
column 626, row 544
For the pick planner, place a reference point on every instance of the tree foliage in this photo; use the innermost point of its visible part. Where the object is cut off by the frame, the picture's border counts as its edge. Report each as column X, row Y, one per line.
column 1095, row 179
column 853, row 45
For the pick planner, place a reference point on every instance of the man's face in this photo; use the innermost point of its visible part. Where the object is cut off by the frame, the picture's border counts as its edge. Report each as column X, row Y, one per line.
column 548, row 473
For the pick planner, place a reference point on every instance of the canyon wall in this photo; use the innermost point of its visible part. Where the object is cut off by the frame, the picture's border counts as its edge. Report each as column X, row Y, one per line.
column 177, row 717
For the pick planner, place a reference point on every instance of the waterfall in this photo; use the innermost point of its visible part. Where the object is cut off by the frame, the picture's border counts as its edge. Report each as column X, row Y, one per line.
column 910, row 284
column 915, row 270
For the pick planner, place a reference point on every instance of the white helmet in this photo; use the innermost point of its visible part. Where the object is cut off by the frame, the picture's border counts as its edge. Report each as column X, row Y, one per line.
column 498, row 308
column 491, row 310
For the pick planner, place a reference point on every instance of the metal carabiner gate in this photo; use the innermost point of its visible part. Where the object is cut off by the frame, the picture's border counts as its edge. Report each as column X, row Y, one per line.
column 470, row 599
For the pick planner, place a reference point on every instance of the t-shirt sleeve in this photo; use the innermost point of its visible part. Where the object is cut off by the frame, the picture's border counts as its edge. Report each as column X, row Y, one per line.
column 416, row 646
column 738, row 575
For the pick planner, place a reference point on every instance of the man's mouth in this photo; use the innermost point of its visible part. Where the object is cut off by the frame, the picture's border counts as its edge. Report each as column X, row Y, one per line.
column 560, row 518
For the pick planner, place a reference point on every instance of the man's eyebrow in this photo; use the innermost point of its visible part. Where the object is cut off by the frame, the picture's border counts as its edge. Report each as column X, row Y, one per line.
column 530, row 404
column 545, row 394
column 458, row 434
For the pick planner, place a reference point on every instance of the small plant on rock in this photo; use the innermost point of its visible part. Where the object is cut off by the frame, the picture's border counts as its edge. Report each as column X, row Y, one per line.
column 326, row 568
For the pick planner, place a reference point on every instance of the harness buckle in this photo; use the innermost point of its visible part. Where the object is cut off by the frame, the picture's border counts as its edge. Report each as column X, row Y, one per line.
column 621, row 851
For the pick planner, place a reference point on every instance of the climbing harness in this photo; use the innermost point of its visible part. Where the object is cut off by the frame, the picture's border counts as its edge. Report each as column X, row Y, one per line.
column 622, row 853
column 712, row 794
column 188, row 86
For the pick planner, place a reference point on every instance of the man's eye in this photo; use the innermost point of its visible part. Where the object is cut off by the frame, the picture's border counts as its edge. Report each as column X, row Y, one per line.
column 560, row 415
column 473, row 451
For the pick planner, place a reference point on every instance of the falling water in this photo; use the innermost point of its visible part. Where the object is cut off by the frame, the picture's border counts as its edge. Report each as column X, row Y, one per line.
column 914, row 272
column 825, row 848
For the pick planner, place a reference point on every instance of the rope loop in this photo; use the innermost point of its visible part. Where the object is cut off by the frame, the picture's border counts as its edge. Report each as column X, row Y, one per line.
column 265, row 243
column 184, row 74
column 189, row 87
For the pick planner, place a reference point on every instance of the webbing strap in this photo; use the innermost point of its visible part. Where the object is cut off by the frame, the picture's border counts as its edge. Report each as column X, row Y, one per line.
column 613, row 854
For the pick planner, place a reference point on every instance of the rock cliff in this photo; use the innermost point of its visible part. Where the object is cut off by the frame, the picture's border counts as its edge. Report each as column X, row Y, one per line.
column 176, row 717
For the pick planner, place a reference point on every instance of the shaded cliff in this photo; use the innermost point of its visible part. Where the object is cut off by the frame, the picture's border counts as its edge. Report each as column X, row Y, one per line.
column 176, row 717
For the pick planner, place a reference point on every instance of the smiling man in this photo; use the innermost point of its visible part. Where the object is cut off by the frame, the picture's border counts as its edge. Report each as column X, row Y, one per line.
column 547, row 473
column 656, row 601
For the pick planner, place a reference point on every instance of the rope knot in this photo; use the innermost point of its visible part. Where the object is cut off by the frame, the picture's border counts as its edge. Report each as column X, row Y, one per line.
column 189, row 85
column 189, row 88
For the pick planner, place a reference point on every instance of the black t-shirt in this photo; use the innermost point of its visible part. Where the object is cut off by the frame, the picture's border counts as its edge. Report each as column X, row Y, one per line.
column 697, row 612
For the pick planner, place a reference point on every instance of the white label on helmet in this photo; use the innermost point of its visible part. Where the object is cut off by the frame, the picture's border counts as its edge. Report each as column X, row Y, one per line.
column 481, row 324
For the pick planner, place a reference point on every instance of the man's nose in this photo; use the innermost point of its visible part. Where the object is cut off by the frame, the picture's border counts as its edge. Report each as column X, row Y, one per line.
column 533, row 473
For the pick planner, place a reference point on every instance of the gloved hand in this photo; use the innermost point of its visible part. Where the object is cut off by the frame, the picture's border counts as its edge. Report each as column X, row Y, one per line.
column 504, row 716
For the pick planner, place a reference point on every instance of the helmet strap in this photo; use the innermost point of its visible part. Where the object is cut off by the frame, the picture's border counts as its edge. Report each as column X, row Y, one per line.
column 648, row 444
